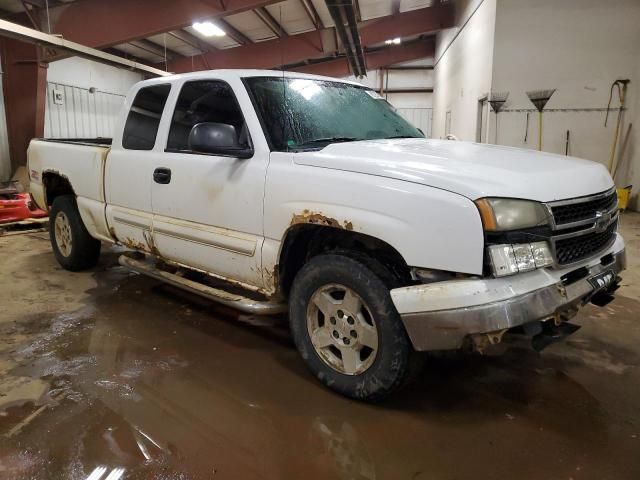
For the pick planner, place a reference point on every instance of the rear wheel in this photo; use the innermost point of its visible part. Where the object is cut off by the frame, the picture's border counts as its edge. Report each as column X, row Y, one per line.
column 347, row 329
column 72, row 245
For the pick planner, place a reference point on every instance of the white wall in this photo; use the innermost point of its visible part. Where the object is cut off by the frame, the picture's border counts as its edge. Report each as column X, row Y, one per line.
column 578, row 47
column 463, row 68
column 85, row 113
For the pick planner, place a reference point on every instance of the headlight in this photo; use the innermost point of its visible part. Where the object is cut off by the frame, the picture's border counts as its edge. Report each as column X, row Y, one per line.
column 501, row 214
column 522, row 257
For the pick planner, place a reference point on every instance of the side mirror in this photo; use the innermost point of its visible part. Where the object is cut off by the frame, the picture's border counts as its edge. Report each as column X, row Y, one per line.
column 217, row 139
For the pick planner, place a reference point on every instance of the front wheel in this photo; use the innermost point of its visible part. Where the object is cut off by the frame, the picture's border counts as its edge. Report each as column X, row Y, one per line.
column 347, row 329
column 72, row 245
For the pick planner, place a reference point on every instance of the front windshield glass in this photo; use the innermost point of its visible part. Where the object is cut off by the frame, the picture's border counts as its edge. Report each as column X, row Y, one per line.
column 303, row 114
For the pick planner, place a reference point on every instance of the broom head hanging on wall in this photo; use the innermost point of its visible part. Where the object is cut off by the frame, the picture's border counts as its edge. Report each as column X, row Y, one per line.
column 497, row 100
column 539, row 98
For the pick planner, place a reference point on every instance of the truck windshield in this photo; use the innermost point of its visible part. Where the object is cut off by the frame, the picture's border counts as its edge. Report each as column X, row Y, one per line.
column 303, row 114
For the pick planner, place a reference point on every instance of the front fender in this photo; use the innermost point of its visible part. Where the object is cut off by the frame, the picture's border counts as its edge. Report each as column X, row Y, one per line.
column 429, row 227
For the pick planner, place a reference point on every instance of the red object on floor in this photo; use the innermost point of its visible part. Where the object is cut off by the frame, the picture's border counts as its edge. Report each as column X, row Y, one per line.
column 15, row 207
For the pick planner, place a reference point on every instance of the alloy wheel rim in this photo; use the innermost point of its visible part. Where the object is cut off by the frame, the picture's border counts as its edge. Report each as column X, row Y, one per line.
column 62, row 230
column 342, row 329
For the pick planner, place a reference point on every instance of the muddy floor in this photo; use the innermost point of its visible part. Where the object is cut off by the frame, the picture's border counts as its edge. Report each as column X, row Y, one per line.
column 109, row 373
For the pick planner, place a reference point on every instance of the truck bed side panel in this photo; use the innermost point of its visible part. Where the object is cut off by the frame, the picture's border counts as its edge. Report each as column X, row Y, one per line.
column 83, row 166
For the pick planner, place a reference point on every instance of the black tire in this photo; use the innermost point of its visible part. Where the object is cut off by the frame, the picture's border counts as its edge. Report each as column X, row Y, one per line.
column 395, row 361
column 84, row 250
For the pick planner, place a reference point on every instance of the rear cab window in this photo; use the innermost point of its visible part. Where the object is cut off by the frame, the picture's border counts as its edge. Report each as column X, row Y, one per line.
column 141, row 127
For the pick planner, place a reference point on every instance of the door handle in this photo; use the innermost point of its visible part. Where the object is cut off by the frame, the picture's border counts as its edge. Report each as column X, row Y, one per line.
column 162, row 175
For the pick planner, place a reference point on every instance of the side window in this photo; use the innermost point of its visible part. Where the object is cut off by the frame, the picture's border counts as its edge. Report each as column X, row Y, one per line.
column 204, row 101
column 141, row 127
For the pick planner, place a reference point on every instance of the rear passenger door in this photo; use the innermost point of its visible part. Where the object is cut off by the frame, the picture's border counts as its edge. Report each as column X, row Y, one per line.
column 129, row 171
column 208, row 211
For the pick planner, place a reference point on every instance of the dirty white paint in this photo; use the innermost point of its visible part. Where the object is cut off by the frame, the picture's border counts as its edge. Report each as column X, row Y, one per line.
column 218, row 212
column 460, row 294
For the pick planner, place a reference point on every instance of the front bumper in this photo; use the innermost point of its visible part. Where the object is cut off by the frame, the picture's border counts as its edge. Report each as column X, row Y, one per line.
column 440, row 316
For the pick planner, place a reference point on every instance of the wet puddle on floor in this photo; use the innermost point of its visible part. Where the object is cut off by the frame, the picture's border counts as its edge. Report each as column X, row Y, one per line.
column 146, row 382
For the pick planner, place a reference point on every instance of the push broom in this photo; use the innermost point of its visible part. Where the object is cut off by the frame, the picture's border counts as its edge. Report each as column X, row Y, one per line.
column 497, row 101
column 539, row 98
column 621, row 85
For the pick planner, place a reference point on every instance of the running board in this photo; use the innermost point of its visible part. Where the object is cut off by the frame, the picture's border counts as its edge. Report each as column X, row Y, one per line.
column 232, row 300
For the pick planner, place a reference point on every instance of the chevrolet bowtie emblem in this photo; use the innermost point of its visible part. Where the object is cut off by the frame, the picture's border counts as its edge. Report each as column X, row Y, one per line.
column 602, row 221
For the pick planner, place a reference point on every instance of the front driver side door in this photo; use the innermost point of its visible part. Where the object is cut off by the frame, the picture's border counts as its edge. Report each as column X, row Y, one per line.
column 208, row 208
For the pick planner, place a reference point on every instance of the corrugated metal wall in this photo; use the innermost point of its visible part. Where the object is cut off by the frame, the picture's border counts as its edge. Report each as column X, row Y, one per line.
column 76, row 112
column 418, row 117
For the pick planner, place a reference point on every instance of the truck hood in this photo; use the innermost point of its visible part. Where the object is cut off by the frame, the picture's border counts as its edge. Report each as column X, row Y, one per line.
column 470, row 169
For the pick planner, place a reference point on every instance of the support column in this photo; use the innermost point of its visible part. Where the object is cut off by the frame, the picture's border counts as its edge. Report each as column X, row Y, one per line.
column 25, row 88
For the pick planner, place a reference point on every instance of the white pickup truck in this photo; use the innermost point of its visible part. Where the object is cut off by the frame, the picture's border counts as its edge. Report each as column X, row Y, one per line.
column 272, row 192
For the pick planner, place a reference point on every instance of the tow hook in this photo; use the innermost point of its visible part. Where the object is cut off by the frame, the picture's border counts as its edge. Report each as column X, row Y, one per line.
column 483, row 341
column 552, row 332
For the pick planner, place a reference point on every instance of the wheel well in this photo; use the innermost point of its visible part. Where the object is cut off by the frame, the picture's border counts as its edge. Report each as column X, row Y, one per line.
column 302, row 242
column 56, row 185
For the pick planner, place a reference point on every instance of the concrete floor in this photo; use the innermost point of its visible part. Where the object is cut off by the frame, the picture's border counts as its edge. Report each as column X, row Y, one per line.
column 110, row 369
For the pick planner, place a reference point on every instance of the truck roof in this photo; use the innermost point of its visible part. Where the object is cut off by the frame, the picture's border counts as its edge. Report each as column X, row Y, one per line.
column 225, row 74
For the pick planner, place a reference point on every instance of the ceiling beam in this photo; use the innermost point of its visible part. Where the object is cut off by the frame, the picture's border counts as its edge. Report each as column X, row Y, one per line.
column 349, row 11
column 101, row 24
column 43, row 3
column 270, row 22
column 185, row 37
column 376, row 59
column 356, row 7
column 407, row 24
column 312, row 13
column 29, row 10
column 190, row 40
column 395, row 7
column 305, row 46
column 153, row 48
column 256, row 55
column 125, row 55
column 236, row 35
column 337, row 14
column 29, row 35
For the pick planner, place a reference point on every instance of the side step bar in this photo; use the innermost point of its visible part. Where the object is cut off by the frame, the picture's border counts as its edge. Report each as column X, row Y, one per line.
column 232, row 300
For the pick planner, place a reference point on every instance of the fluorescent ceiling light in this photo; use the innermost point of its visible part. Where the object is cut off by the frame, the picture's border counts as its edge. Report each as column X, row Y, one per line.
column 393, row 41
column 306, row 88
column 208, row 29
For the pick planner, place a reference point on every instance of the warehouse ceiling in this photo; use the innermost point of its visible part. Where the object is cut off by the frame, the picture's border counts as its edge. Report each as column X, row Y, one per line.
column 336, row 37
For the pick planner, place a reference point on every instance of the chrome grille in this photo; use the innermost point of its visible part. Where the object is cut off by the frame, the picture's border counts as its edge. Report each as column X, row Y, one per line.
column 575, row 212
column 574, row 249
column 582, row 227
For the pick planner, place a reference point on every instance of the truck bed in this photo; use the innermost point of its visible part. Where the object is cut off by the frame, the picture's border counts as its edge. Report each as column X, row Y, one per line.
column 99, row 141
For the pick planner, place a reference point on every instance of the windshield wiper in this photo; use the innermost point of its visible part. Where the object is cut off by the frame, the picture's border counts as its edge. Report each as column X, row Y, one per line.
column 328, row 140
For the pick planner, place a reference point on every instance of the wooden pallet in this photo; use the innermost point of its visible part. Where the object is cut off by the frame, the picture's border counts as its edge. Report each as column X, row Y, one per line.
column 24, row 226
